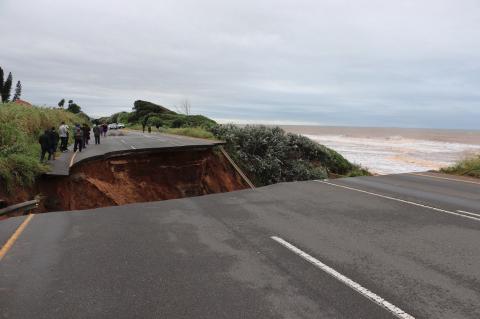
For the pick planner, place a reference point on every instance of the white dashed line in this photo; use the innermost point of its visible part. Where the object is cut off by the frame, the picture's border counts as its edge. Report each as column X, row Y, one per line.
column 161, row 139
column 399, row 313
column 402, row 201
column 131, row 146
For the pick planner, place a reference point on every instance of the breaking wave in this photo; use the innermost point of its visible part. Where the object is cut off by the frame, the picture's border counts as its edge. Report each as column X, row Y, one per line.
column 396, row 154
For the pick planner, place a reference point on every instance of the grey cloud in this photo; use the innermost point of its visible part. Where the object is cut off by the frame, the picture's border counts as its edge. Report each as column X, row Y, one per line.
column 368, row 62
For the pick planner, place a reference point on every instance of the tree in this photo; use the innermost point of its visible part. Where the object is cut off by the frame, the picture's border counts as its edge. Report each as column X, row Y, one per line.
column 73, row 107
column 18, row 91
column 1, row 82
column 120, row 117
column 143, row 108
column 155, row 121
column 61, row 103
column 185, row 107
column 7, row 88
column 123, row 117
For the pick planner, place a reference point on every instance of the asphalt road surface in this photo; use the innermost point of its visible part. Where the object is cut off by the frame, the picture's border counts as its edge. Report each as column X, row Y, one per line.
column 119, row 141
column 370, row 247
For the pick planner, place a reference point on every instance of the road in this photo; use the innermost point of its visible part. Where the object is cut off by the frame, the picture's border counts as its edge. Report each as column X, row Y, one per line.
column 121, row 141
column 369, row 247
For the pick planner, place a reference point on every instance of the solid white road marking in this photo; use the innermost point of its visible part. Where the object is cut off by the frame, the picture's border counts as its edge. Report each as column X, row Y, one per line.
column 399, row 313
column 447, row 178
column 465, row 212
column 401, row 200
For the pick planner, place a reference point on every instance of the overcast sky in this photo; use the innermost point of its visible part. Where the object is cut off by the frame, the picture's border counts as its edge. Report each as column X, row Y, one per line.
column 336, row 62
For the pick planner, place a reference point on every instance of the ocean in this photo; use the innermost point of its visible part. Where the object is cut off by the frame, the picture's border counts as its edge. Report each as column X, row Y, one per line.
column 395, row 150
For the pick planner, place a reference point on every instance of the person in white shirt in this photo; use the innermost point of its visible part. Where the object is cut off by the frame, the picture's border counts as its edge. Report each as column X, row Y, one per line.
column 63, row 132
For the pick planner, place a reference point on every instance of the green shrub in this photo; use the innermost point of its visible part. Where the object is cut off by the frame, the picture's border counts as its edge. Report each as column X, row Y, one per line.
column 269, row 155
column 11, row 140
column 20, row 127
column 181, row 120
column 19, row 164
column 143, row 108
column 469, row 167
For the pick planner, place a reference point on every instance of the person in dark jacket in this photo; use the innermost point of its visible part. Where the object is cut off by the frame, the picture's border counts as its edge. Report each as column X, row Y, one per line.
column 105, row 129
column 54, row 138
column 96, row 133
column 78, row 136
column 44, row 141
column 86, row 135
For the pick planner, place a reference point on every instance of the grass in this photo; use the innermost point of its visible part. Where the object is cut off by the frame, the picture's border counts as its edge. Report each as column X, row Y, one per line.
column 20, row 127
column 466, row 167
column 190, row 131
column 197, row 132
column 134, row 126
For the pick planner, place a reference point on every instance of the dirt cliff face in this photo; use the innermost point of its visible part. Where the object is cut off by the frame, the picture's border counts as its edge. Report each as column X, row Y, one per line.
column 140, row 178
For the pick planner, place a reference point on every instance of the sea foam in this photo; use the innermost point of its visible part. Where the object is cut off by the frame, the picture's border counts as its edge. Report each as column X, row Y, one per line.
column 396, row 154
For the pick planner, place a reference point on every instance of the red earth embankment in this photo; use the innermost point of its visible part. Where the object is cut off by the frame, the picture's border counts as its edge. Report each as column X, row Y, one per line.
column 139, row 177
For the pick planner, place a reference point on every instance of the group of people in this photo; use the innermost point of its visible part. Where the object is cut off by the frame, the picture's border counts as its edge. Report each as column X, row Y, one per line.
column 81, row 134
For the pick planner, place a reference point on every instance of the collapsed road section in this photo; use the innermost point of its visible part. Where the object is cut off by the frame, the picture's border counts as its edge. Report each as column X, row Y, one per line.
column 140, row 176
column 130, row 168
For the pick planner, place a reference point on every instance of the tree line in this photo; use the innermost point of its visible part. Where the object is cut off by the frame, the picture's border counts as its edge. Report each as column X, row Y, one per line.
column 6, row 88
column 72, row 106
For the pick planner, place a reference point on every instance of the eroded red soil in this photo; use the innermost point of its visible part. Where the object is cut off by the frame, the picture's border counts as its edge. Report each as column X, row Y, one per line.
column 139, row 178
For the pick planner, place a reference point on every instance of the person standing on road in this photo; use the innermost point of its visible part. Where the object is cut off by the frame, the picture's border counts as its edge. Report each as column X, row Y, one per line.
column 68, row 138
column 78, row 136
column 54, row 137
column 63, row 133
column 105, row 129
column 86, row 135
column 88, row 128
column 96, row 133
column 44, row 141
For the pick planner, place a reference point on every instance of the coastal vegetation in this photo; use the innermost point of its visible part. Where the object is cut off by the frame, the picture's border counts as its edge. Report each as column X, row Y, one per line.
column 466, row 167
column 20, row 126
column 268, row 155
column 197, row 132
column 73, row 107
column 146, row 114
